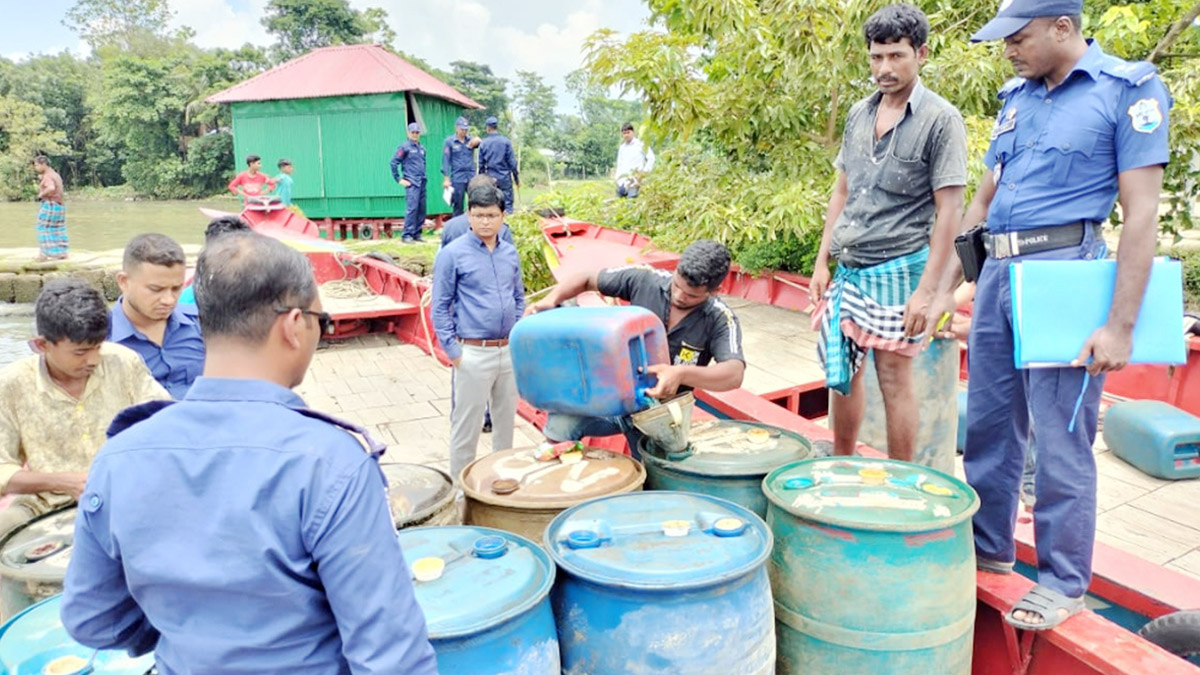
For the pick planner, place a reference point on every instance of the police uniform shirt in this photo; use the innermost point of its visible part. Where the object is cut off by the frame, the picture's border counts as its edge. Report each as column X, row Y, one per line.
column 458, row 159
column 1055, row 155
column 711, row 331
column 410, row 157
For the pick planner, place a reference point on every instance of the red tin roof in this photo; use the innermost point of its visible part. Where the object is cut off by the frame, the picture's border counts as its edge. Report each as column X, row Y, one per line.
column 344, row 70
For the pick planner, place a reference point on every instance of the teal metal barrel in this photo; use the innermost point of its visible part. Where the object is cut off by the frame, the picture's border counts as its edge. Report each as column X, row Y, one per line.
column 485, row 595
column 658, row 582
column 935, row 381
column 33, row 560
column 34, row 642
column 873, row 568
column 726, row 459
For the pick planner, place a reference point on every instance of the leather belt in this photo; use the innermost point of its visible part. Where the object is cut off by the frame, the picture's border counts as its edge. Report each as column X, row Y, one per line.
column 501, row 342
column 1037, row 240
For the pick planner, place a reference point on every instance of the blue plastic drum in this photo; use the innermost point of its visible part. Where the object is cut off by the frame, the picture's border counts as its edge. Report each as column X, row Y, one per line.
column 662, row 582
column 485, row 594
column 34, row 642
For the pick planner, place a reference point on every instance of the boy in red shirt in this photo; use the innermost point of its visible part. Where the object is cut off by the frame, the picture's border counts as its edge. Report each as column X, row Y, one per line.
column 251, row 182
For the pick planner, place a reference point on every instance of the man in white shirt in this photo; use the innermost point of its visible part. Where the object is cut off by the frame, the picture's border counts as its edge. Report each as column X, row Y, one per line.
column 634, row 160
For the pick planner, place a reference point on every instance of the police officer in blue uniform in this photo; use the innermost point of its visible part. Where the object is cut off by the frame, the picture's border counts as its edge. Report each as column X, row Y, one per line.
column 497, row 159
column 1078, row 129
column 408, row 169
column 458, row 163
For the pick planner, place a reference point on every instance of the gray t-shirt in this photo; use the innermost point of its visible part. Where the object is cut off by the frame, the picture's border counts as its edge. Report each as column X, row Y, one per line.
column 889, row 210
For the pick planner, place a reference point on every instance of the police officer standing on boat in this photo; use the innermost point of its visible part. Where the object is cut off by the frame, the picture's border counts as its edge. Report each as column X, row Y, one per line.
column 1077, row 129
column 408, row 169
column 497, row 159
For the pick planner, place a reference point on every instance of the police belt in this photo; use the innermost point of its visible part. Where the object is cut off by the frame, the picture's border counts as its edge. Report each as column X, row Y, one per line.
column 1037, row 240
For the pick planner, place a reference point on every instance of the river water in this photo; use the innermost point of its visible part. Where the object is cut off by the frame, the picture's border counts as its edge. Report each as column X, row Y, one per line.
column 16, row 329
column 106, row 225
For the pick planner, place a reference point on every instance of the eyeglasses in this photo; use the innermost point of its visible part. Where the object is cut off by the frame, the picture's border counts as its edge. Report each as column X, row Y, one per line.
column 485, row 217
column 324, row 320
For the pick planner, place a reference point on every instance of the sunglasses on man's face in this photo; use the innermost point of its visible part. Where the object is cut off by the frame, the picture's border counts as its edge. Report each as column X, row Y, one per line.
column 324, row 320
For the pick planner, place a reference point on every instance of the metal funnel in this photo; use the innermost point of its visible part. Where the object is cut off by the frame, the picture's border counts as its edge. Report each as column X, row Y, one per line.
column 667, row 425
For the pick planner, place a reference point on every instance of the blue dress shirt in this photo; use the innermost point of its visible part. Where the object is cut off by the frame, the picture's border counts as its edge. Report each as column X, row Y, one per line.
column 497, row 159
column 460, row 225
column 458, row 159
column 409, row 163
column 477, row 293
column 229, row 533
column 1056, row 154
column 180, row 359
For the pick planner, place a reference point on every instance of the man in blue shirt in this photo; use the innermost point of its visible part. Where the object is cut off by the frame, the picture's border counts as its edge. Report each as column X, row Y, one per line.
column 459, row 225
column 478, row 296
column 283, row 182
column 1077, row 129
column 458, row 163
column 148, row 317
column 236, row 531
column 408, row 169
column 497, row 159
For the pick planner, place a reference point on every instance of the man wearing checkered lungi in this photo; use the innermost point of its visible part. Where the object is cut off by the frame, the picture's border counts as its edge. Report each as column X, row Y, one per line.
column 52, row 214
column 891, row 220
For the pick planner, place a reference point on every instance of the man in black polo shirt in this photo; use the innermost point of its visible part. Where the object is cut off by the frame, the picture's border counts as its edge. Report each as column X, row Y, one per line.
column 700, row 329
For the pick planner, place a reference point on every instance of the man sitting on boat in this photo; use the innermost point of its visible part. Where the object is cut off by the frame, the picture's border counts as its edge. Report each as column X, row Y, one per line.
column 56, row 405
column 700, row 329
column 252, row 182
column 148, row 317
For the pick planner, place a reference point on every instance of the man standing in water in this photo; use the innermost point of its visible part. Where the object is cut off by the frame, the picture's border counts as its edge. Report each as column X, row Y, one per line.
column 901, row 171
column 52, row 214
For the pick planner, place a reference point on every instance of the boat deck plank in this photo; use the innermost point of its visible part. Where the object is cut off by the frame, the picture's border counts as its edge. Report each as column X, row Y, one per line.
column 362, row 306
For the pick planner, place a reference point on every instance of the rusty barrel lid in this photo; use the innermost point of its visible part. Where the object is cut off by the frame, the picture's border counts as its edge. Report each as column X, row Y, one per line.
column 518, row 479
column 416, row 492
column 729, row 448
column 40, row 549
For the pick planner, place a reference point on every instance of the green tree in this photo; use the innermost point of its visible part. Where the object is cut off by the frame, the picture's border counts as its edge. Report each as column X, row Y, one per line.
column 125, row 25
column 24, row 134
column 754, row 94
column 477, row 81
column 534, row 102
column 303, row 25
column 58, row 86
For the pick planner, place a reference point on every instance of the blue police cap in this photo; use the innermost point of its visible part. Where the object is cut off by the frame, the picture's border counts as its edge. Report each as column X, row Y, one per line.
column 414, row 127
column 1016, row 14
column 462, row 123
column 491, row 122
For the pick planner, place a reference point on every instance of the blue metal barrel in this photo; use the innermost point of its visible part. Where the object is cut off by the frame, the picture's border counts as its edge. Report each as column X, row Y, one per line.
column 35, row 642
column 935, row 380
column 726, row 459
column 488, row 612
column 873, row 568
column 662, row 582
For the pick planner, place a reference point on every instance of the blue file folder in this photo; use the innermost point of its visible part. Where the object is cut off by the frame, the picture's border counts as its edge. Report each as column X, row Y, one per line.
column 1058, row 304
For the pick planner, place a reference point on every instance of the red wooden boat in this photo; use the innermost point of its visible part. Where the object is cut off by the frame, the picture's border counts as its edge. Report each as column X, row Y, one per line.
column 1086, row 644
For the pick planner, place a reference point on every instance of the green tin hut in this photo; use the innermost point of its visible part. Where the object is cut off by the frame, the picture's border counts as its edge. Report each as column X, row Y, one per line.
column 338, row 113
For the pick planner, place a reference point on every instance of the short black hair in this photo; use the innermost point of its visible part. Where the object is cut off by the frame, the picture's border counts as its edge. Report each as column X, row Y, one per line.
column 243, row 279
column 156, row 249
column 70, row 309
column 485, row 195
column 42, row 159
column 481, row 179
column 284, row 162
column 628, row 126
column 704, row 263
column 250, row 159
column 896, row 22
column 224, row 225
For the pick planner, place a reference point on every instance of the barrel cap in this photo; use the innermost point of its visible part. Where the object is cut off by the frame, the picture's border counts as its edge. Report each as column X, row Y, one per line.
column 35, row 638
column 490, row 576
column 733, row 448
column 870, row 494
column 415, row 492
column 658, row 540
column 40, row 549
column 517, row 479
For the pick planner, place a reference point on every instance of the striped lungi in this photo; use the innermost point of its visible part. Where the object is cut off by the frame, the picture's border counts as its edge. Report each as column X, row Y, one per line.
column 868, row 303
column 52, row 229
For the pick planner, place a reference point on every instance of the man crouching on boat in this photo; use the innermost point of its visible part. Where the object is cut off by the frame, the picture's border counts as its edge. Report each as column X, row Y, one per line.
column 236, row 531
column 700, row 328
